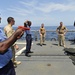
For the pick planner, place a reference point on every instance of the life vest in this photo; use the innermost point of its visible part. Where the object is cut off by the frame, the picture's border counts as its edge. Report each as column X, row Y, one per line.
column 61, row 29
column 42, row 30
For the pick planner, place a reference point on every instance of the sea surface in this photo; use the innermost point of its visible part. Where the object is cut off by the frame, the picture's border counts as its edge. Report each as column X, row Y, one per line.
column 49, row 35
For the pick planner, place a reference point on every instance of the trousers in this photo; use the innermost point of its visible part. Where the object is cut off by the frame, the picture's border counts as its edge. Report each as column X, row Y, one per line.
column 13, row 52
column 28, row 42
column 8, row 69
column 42, row 39
column 61, row 39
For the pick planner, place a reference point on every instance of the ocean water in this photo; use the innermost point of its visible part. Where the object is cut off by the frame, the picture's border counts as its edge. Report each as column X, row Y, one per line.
column 49, row 35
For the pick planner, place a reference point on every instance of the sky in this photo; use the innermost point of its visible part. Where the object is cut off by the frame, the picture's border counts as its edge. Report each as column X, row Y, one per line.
column 49, row 12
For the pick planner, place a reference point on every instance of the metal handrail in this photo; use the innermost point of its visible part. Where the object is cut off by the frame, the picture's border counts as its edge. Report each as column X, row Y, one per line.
column 55, row 30
column 51, row 35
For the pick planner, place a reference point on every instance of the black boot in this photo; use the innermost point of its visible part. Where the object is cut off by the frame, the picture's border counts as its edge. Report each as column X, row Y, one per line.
column 27, row 54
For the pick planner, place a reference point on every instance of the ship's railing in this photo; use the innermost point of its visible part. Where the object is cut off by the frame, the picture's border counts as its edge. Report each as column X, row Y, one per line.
column 51, row 35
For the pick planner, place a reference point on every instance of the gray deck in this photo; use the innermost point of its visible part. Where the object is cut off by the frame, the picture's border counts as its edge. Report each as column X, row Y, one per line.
column 48, row 59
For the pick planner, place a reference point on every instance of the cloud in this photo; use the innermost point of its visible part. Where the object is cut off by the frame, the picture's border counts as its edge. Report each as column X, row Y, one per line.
column 34, row 7
column 20, row 11
column 50, row 7
column 28, row 3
